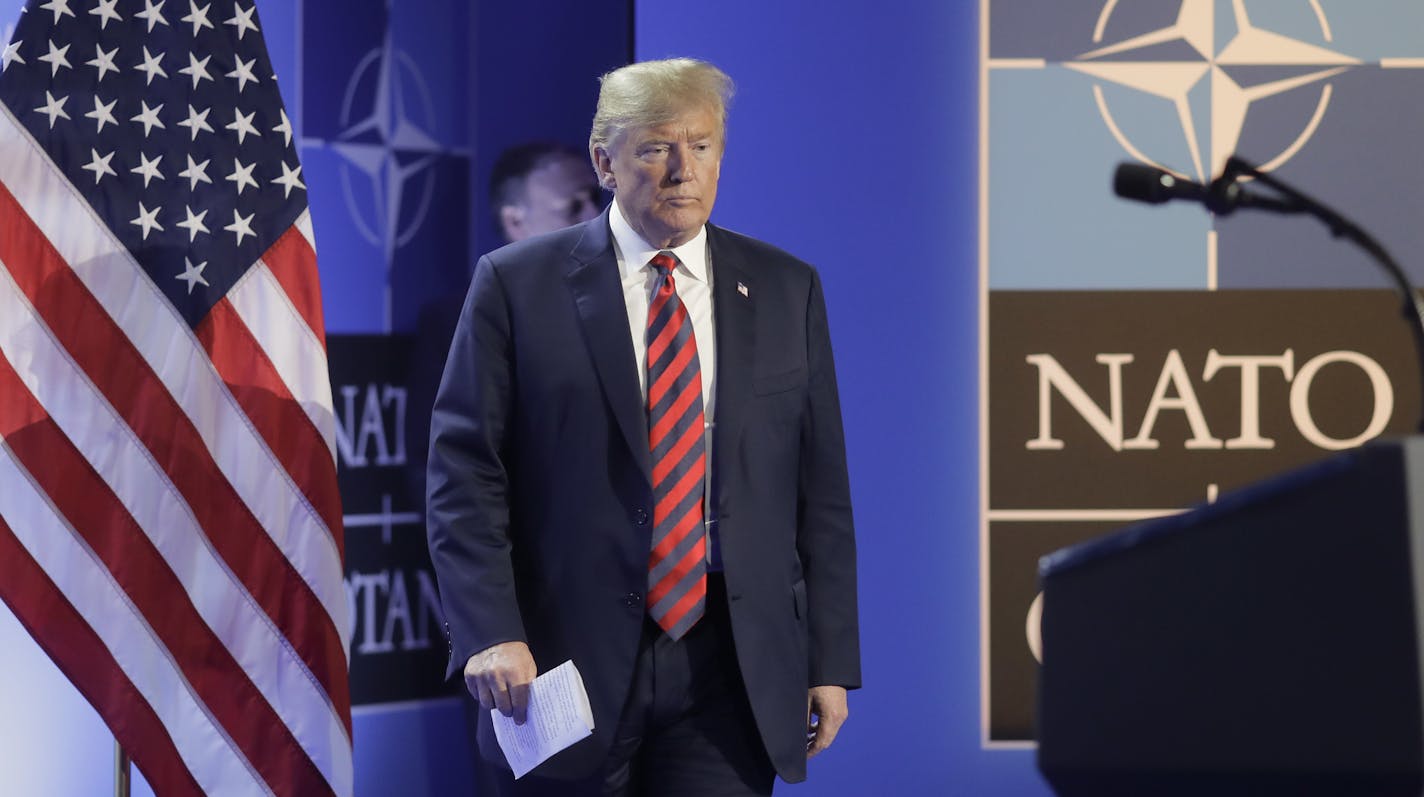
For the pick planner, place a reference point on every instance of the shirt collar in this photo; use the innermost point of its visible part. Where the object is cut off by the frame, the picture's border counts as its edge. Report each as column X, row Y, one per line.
column 636, row 252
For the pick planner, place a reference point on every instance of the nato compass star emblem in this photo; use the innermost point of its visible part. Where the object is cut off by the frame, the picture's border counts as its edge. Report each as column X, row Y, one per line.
column 1189, row 57
column 385, row 115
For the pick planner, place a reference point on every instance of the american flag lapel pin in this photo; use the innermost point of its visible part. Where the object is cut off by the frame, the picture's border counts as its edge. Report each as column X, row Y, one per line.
column 742, row 289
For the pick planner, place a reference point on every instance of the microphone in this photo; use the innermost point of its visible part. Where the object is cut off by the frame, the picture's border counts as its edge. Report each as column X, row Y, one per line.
column 1149, row 184
column 1142, row 183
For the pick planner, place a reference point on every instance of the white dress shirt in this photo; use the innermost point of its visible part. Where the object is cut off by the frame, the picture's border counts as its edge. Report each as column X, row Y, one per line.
column 693, row 277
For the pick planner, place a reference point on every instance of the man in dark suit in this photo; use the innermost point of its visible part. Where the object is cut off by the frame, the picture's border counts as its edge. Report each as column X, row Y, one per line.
column 637, row 463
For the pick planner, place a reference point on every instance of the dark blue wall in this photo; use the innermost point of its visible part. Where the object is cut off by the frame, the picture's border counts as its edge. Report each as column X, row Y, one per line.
column 536, row 65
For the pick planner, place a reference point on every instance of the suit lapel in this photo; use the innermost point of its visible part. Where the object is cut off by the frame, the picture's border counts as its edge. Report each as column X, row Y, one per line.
column 734, row 303
column 597, row 289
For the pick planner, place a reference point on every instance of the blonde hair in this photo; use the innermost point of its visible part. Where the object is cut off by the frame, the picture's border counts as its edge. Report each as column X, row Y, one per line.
column 655, row 92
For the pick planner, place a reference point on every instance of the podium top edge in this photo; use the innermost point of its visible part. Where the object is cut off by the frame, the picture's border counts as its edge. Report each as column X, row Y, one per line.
column 1273, row 488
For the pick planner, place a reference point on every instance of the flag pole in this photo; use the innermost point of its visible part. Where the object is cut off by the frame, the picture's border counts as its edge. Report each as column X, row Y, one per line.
column 121, row 770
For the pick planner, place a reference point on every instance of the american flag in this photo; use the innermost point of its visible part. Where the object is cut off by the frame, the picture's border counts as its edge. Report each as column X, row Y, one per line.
column 170, row 529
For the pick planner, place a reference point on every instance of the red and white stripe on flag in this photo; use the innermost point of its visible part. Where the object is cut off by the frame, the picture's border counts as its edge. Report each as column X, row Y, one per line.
column 170, row 528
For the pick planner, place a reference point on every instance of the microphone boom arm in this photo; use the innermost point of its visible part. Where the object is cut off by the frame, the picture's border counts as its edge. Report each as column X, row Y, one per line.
column 1226, row 193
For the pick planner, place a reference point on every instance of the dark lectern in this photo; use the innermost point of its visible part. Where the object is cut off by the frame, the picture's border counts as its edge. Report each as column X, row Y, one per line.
column 1266, row 644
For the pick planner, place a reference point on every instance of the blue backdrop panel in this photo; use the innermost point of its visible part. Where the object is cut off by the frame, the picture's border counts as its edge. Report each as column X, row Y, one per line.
column 537, row 64
column 853, row 144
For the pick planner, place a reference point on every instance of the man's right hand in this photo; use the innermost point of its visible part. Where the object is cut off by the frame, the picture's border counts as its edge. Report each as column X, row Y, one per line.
column 499, row 677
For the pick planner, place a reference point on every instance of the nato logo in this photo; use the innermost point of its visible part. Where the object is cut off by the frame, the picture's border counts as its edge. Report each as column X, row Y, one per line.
column 383, row 102
column 1182, row 62
column 1331, row 101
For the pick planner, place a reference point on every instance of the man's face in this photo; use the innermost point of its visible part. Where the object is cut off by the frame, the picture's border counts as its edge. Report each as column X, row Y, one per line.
column 559, row 192
column 665, row 176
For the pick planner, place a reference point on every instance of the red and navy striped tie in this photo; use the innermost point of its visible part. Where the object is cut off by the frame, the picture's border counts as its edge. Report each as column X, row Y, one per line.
column 677, row 566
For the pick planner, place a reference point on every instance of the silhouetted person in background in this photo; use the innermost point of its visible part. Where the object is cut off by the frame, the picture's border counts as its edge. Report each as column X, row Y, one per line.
column 541, row 187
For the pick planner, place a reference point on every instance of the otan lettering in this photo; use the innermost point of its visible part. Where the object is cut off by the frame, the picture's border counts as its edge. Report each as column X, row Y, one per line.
column 370, row 418
column 383, row 617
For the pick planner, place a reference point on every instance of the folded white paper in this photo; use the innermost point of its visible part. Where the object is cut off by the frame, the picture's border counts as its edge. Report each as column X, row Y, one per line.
column 559, row 715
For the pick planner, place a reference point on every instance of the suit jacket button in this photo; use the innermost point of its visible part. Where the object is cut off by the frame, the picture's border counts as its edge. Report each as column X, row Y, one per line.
column 640, row 517
column 632, row 600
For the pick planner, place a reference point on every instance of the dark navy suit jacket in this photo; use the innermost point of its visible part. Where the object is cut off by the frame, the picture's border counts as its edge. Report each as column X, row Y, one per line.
column 540, row 498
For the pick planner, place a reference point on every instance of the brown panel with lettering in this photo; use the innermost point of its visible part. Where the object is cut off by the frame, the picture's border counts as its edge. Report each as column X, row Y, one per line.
column 1185, row 362
column 1106, row 407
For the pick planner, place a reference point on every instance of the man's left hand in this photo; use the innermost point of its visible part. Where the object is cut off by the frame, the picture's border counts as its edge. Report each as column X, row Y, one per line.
column 826, row 711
